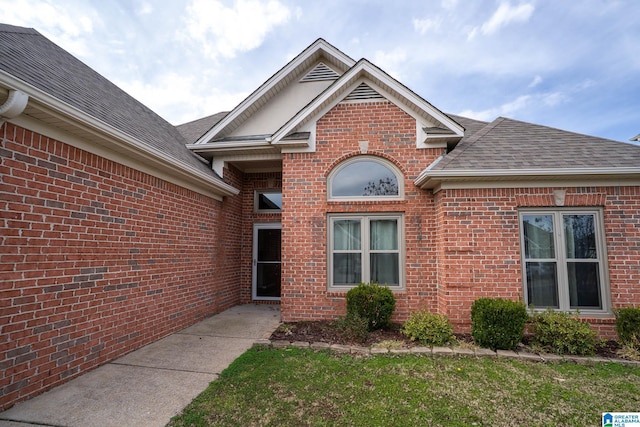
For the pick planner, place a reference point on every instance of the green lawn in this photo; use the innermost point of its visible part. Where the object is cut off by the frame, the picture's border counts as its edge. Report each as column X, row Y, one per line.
column 301, row 387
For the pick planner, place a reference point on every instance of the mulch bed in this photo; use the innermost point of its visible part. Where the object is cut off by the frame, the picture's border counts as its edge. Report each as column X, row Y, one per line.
column 327, row 332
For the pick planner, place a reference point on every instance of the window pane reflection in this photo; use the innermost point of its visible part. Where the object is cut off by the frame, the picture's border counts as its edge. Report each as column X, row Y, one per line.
column 365, row 178
column 538, row 236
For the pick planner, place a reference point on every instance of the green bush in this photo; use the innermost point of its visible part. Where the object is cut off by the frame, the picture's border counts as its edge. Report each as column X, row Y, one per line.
column 428, row 328
column 373, row 302
column 353, row 327
column 563, row 333
column 498, row 323
column 628, row 326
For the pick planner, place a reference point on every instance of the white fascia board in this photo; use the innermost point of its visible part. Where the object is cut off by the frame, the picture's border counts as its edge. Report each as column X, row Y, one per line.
column 239, row 145
column 383, row 78
column 303, row 142
column 365, row 70
column 120, row 139
column 273, row 81
column 431, row 179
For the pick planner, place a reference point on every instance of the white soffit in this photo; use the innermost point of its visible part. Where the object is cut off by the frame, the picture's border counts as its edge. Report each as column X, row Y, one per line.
column 319, row 50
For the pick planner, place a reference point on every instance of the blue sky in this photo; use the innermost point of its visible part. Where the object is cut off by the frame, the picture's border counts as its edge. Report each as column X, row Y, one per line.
column 573, row 65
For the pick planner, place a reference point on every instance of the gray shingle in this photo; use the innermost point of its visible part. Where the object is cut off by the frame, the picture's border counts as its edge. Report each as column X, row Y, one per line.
column 511, row 144
column 32, row 58
column 470, row 126
column 192, row 131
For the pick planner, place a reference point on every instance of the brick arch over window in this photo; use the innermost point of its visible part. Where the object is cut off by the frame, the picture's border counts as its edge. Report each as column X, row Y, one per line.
column 365, row 177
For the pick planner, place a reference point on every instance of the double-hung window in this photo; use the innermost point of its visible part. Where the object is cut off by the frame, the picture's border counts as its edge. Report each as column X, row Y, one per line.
column 563, row 259
column 365, row 248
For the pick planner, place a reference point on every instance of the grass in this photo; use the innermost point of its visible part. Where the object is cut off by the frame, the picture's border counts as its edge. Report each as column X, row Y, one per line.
column 302, row 387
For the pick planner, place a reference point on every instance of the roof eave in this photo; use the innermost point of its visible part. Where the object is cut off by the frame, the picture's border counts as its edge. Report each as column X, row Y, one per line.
column 433, row 179
column 365, row 69
column 120, row 140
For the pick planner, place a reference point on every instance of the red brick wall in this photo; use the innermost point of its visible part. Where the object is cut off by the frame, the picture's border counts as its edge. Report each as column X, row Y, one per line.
column 98, row 259
column 391, row 134
column 460, row 244
column 479, row 247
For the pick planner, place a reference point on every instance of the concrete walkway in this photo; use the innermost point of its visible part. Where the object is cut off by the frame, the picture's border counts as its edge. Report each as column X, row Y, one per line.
column 150, row 385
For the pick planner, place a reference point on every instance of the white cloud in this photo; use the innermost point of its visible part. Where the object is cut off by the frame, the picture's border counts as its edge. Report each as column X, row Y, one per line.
column 422, row 26
column 504, row 15
column 67, row 26
column 391, row 62
column 449, row 4
column 508, row 109
column 180, row 98
column 535, row 82
column 518, row 105
column 225, row 31
column 145, row 8
column 554, row 98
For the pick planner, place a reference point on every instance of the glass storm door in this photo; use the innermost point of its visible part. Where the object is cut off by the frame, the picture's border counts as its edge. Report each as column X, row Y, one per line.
column 266, row 261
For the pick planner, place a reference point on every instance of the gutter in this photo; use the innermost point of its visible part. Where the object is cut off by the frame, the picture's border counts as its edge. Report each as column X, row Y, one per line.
column 429, row 179
column 13, row 106
column 122, row 140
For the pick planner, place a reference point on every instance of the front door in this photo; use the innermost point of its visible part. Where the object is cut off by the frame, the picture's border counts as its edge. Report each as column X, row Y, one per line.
column 266, row 261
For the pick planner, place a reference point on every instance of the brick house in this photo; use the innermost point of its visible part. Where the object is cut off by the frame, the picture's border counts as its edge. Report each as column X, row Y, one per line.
column 119, row 228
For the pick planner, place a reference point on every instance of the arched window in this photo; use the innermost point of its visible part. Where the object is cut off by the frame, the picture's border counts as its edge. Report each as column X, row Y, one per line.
column 365, row 177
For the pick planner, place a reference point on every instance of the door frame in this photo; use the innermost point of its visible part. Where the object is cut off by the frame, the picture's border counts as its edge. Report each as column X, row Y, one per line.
column 254, row 258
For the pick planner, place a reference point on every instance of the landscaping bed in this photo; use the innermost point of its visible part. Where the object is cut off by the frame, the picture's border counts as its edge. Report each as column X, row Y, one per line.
column 328, row 332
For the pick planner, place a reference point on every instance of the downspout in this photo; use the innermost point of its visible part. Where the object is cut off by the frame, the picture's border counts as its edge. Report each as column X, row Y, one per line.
column 13, row 106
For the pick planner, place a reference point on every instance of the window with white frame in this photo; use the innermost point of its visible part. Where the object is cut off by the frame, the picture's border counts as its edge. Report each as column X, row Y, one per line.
column 366, row 248
column 563, row 259
column 365, row 177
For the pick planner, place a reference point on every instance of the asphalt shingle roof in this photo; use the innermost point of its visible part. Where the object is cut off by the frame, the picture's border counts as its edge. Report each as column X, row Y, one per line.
column 471, row 126
column 511, row 144
column 32, row 58
column 192, row 131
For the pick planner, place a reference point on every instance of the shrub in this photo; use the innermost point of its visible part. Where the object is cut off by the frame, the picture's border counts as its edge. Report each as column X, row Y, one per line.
column 428, row 328
column 498, row 323
column 563, row 333
column 628, row 326
column 353, row 327
column 373, row 302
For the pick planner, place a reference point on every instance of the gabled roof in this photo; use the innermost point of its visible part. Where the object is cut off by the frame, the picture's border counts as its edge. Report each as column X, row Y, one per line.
column 509, row 148
column 412, row 103
column 59, row 84
column 318, row 50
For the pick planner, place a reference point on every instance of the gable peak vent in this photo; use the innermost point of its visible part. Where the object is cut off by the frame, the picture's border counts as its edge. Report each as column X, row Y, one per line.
column 320, row 72
column 363, row 92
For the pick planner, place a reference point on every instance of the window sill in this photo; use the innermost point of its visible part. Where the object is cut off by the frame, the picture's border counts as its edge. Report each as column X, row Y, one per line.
column 341, row 292
column 603, row 315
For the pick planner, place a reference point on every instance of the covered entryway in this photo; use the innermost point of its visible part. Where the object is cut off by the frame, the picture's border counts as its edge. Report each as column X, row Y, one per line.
column 267, row 261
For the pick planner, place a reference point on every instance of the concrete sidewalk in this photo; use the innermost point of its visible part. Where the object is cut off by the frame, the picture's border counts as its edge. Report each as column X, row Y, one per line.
column 150, row 385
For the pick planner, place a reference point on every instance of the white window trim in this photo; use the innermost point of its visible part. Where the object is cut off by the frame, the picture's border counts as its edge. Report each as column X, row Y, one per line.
column 256, row 201
column 560, row 259
column 364, row 225
column 393, row 168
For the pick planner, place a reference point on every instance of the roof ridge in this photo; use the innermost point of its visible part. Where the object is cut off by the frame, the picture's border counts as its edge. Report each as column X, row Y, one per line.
column 563, row 130
column 466, row 144
column 7, row 28
column 202, row 118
